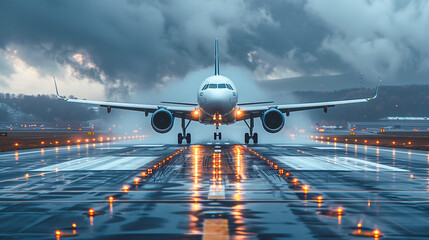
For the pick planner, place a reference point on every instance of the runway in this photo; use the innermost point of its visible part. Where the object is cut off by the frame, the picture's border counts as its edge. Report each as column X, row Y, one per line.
column 216, row 190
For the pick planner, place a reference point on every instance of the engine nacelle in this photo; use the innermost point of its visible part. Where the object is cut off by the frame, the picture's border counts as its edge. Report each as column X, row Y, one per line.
column 273, row 120
column 162, row 121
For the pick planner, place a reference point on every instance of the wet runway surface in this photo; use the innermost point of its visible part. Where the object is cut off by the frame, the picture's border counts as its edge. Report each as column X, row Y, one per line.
column 214, row 191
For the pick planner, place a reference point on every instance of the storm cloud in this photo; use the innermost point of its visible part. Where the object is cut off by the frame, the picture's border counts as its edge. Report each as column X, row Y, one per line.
column 129, row 45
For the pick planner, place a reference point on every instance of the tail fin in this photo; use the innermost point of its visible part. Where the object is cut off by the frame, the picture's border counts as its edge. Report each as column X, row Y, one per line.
column 216, row 58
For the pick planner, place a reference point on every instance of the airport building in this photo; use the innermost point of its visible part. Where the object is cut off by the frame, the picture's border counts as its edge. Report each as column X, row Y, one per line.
column 393, row 124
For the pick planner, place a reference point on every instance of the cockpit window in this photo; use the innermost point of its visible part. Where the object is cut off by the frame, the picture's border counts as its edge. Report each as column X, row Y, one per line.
column 212, row 85
column 229, row 87
column 205, row 87
column 222, row 85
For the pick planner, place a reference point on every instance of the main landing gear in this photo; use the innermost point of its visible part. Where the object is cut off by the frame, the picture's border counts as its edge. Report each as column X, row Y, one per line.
column 184, row 136
column 251, row 135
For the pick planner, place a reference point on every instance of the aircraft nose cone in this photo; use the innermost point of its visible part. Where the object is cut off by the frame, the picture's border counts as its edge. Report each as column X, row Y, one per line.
column 218, row 102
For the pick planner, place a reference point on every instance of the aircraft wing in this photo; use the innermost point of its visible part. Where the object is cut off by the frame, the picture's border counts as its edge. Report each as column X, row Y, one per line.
column 177, row 111
column 257, row 111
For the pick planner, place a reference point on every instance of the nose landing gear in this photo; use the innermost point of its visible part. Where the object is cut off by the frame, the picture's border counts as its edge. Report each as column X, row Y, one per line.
column 217, row 134
column 184, row 136
column 251, row 135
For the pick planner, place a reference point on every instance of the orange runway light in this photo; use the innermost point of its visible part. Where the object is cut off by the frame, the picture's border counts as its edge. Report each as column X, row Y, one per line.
column 319, row 198
column 376, row 233
column 393, row 142
column 305, row 188
column 16, row 144
column 339, row 211
column 125, row 188
column 136, row 180
column 409, row 143
column 91, row 212
column 27, row 175
column 359, row 225
column 295, row 180
column 377, row 142
column 58, row 233
column 42, row 143
column 143, row 174
column 56, row 142
column 287, row 174
column 111, row 199
column 78, row 141
column 411, row 176
column 74, row 225
column 239, row 112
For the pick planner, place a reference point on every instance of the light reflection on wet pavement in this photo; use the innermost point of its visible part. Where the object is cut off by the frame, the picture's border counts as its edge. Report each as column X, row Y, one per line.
column 303, row 191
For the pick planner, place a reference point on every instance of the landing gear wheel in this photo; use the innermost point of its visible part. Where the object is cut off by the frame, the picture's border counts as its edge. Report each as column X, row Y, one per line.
column 184, row 136
column 179, row 138
column 214, row 136
column 188, row 138
column 255, row 138
column 220, row 136
column 251, row 135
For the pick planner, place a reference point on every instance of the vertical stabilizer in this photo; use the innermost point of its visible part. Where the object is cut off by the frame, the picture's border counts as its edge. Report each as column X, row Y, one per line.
column 216, row 58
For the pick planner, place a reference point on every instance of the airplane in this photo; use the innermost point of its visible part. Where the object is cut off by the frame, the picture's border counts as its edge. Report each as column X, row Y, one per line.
column 217, row 104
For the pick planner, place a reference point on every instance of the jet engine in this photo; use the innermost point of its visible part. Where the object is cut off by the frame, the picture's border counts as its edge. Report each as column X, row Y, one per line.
column 162, row 121
column 273, row 120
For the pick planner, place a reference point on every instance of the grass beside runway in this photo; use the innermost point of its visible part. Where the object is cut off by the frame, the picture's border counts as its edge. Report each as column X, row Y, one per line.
column 19, row 140
column 400, row 140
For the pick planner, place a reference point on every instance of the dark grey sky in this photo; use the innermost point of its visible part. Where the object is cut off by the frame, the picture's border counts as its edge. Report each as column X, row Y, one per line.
column 129, row 45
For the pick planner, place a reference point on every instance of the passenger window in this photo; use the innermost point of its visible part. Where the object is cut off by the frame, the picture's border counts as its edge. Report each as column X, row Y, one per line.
column 223, row 85
column 212, row 85
column 205, row 87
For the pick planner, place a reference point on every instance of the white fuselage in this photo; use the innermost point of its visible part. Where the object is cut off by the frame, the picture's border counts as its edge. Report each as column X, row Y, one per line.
column 217, row 99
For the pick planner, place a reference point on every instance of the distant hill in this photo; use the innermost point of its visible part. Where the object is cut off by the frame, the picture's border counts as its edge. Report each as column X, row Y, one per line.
column 406, row 101
column 44, row 108
column 321, row 83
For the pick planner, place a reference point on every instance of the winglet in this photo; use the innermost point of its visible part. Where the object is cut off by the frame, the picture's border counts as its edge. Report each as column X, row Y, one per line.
column 378, row 86
column 56, row 89
column 376, row 90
